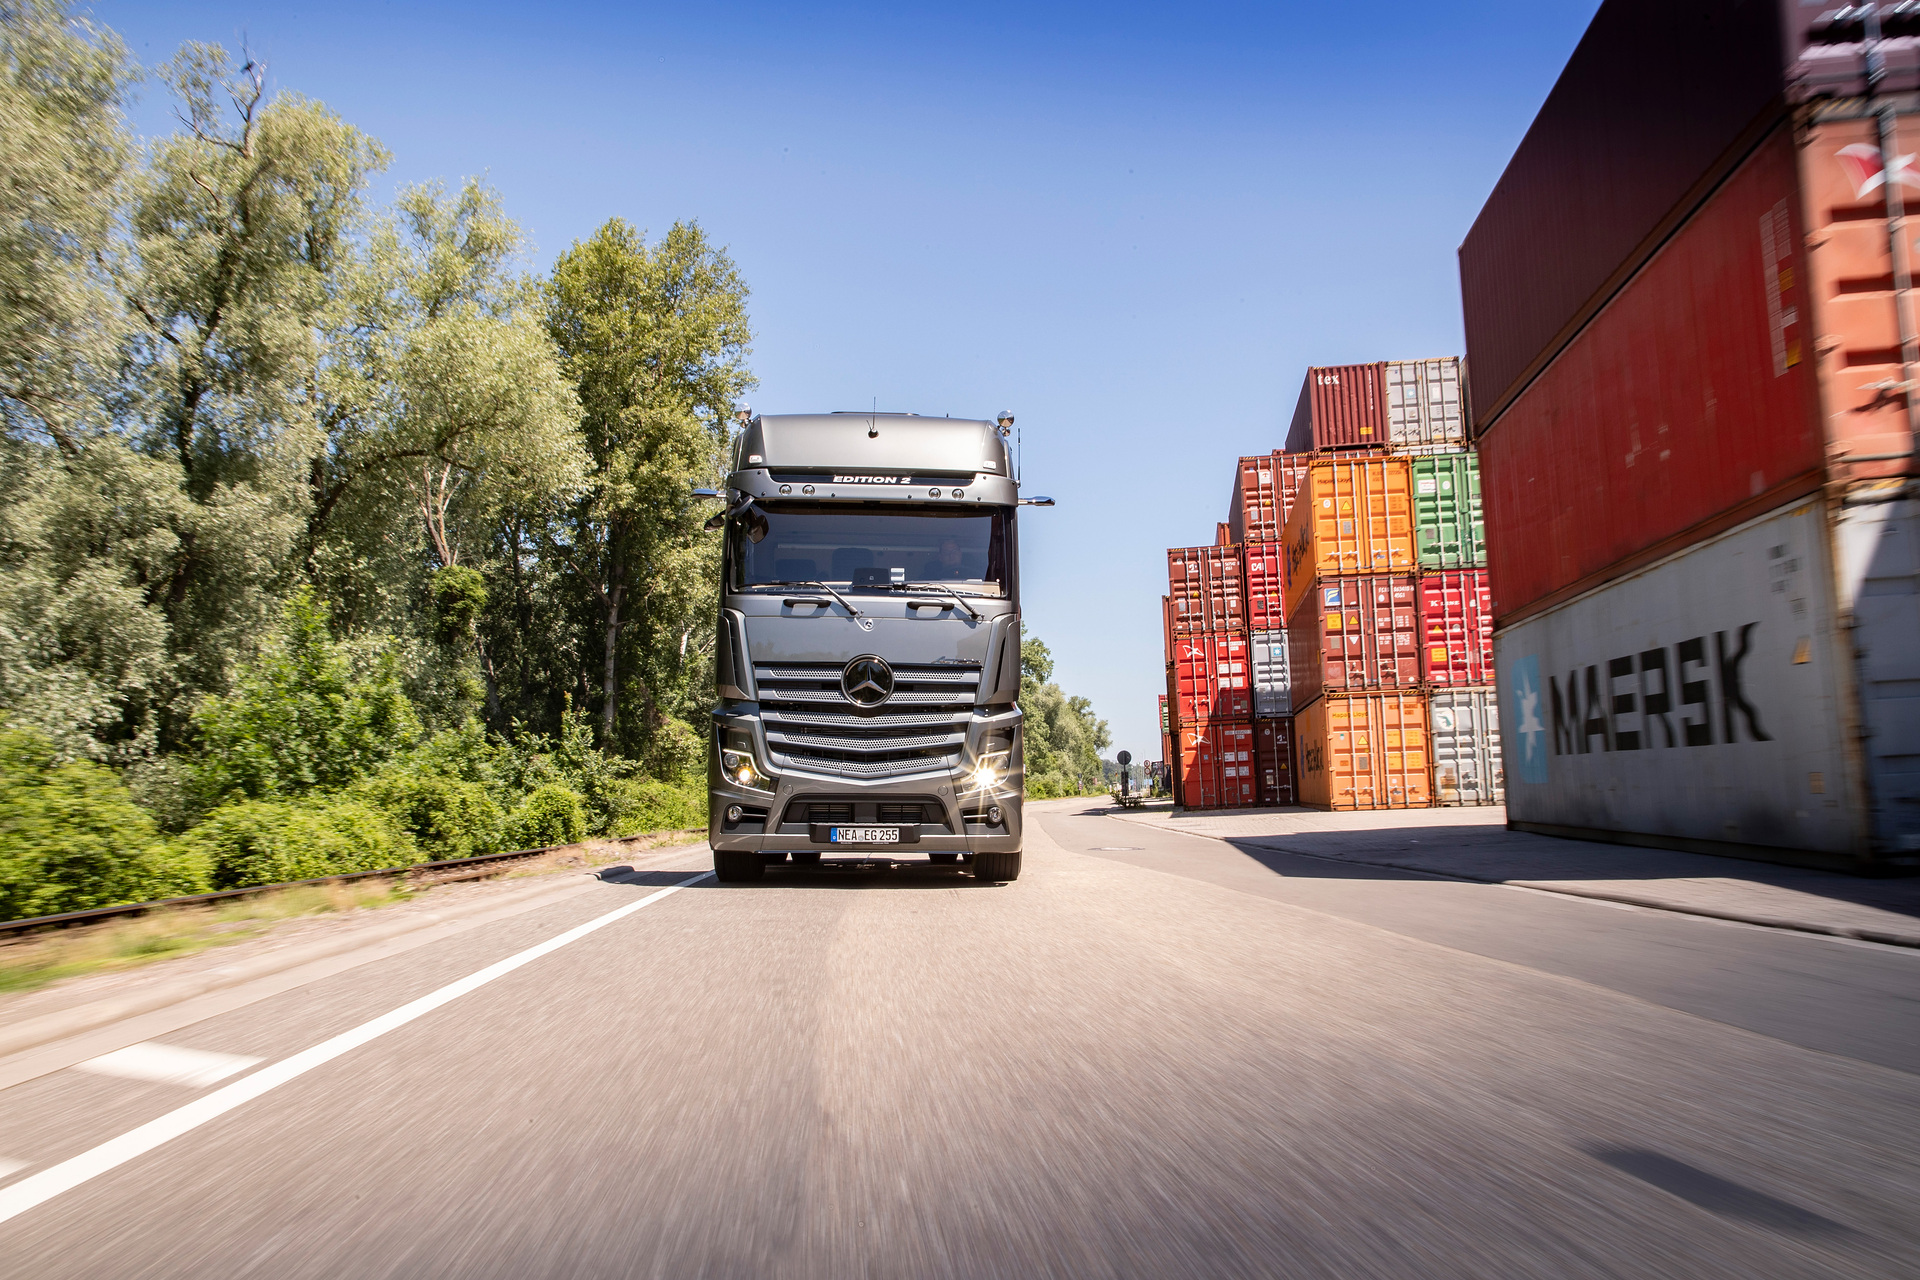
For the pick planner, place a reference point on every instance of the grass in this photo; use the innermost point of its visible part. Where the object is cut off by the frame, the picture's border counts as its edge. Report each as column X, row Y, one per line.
column 38, row 959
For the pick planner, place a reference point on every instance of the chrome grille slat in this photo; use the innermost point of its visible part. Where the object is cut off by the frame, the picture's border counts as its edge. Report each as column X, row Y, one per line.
column 907, row 674
column 853, row 720
column 866, row 746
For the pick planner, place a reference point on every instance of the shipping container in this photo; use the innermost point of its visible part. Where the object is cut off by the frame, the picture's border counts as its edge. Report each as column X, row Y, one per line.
column 1656, row 105
column 1456, row 628
column 1263, row 491
column 1211, row 677
column 1707, row 702
column 1217, row 766
column 1272, row 681
column 1208, row 589
column 1364, row 751
column 1355, row 633
column 1426, row 405
column 1689, row 396
column 1166, row 628
column 1266, row 586
column 1467, row 769
column 1273, row 761
column 1353, row 515
column 1449, row 529
column 1342, row 406
column 1222, row 534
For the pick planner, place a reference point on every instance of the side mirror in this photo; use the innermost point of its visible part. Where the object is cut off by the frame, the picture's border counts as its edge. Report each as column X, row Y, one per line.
column 706, row 493
column 1036, row 502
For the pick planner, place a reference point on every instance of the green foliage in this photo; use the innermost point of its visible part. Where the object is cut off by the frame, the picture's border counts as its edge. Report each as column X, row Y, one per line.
column 312, row 515
column 636, row 805
column 446, row 817
column 72, row 838
column 1064, row 738
column 302, row 717
column 64, row 152
column 267, row 842
column 459, row 597
column 552, row 814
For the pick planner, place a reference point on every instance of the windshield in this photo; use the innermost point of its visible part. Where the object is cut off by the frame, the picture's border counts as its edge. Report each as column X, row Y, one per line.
column 869, row 547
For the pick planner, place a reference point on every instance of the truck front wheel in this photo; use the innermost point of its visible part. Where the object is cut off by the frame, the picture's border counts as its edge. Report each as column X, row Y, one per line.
column 996, row 866
column 735, row 865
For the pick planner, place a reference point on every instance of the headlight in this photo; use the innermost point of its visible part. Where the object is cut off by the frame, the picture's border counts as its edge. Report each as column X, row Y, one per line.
column 739, row 766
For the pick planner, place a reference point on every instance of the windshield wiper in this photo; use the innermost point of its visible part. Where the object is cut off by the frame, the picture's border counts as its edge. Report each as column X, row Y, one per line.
column 934, row 588
column 848, row 604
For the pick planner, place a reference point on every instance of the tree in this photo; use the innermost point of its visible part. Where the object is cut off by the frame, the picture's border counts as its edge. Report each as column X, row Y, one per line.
column 654, row 338
column 239, row 227
column 1064, row 739
column 64, row 153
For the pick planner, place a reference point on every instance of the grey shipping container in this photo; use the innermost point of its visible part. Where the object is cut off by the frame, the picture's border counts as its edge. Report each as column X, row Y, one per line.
column 1426, row 405
column 1757, row 694
column 1465, row 729
column 1272, row 690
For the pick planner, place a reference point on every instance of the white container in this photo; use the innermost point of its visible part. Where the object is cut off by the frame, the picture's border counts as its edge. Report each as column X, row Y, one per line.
column 1272, row 683
column 1465, row 731
column 1706, row 702
column 1426, row 406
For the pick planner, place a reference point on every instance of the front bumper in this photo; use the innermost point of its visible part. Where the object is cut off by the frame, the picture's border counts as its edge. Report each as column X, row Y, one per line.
column 780, row 821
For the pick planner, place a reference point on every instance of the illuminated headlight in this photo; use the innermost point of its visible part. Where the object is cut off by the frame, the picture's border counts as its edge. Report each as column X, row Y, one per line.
column 738, row 765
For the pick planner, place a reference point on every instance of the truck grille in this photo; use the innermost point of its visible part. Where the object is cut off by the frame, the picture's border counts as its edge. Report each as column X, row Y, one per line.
column 922, row 726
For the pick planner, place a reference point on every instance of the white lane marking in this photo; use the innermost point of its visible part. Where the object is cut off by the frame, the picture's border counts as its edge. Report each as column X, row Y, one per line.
column 10, row 1167
column 111, row 1154
column 169, row 1064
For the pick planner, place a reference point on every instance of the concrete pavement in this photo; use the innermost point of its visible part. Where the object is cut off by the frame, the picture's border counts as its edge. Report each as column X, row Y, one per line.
column 1152, row 1055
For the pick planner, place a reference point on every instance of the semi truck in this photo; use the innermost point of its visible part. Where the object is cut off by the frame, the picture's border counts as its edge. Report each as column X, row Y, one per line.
column 867, row 662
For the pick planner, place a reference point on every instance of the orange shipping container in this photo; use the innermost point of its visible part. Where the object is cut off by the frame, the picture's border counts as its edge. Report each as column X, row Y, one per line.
column 1364, row 751
column 1352, row 516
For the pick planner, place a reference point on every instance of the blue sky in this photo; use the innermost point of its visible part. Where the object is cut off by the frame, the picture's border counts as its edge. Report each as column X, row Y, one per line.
column 1133, row 226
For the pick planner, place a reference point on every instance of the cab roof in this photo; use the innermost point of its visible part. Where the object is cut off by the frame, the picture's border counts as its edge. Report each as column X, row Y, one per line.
column 872, row 442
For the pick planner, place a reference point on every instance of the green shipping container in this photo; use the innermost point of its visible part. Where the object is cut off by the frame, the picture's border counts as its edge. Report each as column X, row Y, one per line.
column 1447, row 525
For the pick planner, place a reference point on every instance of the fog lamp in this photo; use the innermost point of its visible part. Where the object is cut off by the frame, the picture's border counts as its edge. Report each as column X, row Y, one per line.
column 734, row 811
column 993, row 814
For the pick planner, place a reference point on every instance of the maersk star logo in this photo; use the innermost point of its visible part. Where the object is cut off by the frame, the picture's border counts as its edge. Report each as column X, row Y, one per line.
column 1524, row 678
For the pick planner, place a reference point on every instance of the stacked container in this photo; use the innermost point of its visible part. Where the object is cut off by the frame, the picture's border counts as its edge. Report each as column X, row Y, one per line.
column 1695, row 412
column 1209, row 699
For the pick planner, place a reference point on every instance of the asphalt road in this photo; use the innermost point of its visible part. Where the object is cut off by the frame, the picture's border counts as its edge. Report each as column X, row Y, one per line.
column 1153, row 1055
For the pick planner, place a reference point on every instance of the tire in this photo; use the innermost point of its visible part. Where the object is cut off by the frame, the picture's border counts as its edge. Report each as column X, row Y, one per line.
column 996, row 866
column 943, row 857
column 737, row 865
column 806, row 857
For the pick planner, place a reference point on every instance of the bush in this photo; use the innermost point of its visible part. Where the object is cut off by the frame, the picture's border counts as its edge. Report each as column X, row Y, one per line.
column 553, row 814
column 264, row 842
column 302, row 718
column 636, row 805
column 446, row 817
column 71, row 837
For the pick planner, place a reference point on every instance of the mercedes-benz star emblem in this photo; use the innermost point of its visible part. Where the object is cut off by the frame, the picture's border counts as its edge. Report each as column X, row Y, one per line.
column 867, row 681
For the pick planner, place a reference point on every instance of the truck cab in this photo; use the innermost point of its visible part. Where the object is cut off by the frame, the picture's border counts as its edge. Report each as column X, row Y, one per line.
column 868, row 655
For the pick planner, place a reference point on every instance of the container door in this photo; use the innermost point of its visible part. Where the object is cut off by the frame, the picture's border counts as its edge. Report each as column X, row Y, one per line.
column 1879, row 562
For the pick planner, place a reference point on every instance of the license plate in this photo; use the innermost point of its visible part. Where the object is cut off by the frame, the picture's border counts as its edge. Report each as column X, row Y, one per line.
column 863, row 835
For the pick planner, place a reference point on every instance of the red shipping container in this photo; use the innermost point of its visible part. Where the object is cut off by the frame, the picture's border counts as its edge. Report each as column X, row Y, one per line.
column 1353, row 634
column 1456, row 627
column 1222, row 534
column 1266, row 587
column 1216, row 766
column 1166, row 628
column 1689, row 397
column 1342, row 406
column 1208, row 589
column 1263, row 492
column 1211, row 679
column 1273, row 761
